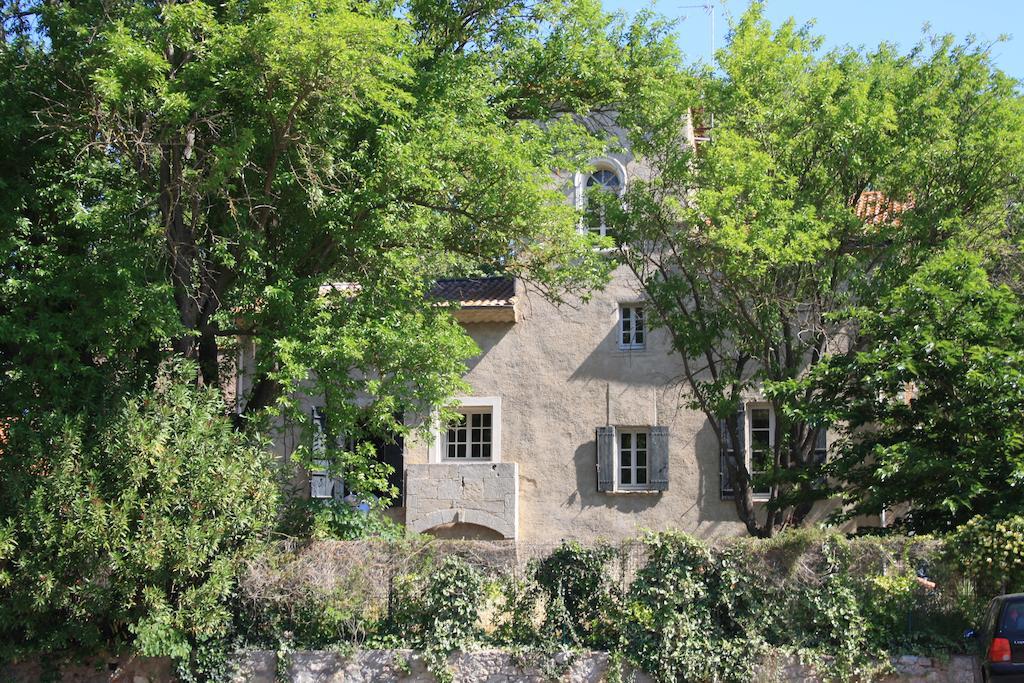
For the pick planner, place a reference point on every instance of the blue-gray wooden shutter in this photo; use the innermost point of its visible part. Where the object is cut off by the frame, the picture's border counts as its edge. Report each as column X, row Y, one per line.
column 728, row 490
column 821, row 446
column 320, row 484
column 657, row 456
column 606, row 458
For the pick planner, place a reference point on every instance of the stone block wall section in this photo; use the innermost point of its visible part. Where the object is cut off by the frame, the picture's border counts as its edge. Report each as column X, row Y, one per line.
column 482, row 493
column 485, row 666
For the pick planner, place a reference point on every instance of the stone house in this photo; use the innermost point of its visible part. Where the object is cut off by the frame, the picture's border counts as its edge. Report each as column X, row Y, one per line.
column 574, row 427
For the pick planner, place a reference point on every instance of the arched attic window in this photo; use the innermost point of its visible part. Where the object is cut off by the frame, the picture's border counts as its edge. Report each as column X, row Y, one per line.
column 603, row 179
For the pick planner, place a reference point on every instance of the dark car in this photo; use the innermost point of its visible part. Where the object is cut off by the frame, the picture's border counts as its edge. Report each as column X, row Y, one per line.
column 1002, row 640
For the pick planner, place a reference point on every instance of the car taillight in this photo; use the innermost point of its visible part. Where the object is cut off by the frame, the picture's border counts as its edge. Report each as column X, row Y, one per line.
column 999, row 650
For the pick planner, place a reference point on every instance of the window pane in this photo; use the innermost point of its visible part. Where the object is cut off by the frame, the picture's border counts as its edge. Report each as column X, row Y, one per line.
column 604, row 179
column 627, row 440
column 641, row 459
column 641, row 475
column 625, row 477
column 469, row 436
column 760, row 461
column 759, row 418
column 641, row 440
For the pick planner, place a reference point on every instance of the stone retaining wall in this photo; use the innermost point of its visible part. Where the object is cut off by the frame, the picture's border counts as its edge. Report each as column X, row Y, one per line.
column 485, row 666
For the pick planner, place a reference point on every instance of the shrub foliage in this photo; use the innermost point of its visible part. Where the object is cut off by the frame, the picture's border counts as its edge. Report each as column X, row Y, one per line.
column 126, row 531
column 670, row 604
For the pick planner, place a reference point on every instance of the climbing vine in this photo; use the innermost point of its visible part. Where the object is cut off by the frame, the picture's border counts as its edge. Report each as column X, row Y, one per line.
column 668, row 604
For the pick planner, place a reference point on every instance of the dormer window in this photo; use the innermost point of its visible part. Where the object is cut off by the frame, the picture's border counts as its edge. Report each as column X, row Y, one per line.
column 601, row 180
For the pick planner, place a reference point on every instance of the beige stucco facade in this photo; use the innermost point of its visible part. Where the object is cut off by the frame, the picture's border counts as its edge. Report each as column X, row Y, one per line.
column 560, row 375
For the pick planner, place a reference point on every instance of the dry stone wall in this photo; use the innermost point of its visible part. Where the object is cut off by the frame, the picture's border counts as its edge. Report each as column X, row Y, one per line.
column 485, row 666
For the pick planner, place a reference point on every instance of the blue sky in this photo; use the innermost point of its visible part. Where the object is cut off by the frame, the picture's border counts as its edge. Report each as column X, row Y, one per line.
column 856, row 22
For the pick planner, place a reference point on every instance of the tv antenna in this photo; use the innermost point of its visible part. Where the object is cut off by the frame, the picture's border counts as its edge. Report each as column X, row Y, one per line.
column 710, row 9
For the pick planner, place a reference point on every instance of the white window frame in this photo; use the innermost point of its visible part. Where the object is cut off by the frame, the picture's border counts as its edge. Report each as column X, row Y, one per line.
column 632, row 345
column 633, row 432
column 748, row 440
column 469, row 405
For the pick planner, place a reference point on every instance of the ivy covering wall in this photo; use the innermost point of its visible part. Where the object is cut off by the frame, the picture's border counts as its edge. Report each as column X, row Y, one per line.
column 667, row 603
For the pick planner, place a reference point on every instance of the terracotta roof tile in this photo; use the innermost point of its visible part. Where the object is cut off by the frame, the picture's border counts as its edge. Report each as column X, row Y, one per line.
column 875, row 208
column 343, row 287
column 477, row 292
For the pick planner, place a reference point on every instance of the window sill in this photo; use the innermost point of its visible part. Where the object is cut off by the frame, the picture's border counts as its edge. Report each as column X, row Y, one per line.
column 634, row 491
column 757, row 497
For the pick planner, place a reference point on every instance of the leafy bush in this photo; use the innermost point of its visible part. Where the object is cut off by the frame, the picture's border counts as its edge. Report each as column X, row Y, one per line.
column 126, row 531
column 889, row 600
column 678, row 625
column 581, row 604
column 991, row 553
column 442, row 614
column 521, row 610
column 335, row 519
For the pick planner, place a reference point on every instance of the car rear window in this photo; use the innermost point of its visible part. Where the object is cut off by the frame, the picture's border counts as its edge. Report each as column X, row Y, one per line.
column 1012, row 622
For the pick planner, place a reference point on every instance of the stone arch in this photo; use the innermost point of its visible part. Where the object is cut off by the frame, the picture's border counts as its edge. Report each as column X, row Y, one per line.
column 441, row 518
column 464, row 531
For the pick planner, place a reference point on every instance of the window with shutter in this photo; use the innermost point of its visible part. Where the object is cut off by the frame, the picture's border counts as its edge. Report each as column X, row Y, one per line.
column 320, row 484
column 632, row 458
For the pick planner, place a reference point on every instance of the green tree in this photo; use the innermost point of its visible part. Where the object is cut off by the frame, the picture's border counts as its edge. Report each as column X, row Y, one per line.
column 200, row 170
column 124, row 528
column 827, row 179
column 933, row 408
